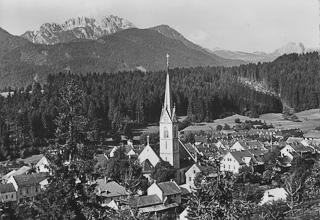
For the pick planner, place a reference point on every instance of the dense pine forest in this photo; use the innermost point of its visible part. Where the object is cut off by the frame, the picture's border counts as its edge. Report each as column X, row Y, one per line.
column 113, row 101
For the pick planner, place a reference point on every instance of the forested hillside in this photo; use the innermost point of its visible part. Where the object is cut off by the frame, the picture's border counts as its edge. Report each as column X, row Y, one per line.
column 295, row 78
column 114, row 100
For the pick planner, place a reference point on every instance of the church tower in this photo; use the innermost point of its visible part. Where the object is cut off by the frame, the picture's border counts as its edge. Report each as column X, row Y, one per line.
column 169, row 143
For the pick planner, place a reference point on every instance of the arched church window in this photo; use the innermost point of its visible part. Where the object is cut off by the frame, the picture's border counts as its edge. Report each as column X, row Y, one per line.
column 165, row 132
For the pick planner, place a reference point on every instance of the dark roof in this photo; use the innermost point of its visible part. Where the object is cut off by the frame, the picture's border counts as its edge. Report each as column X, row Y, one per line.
column 169, row 188
column 110, row 189
column 28, row 180
column 146, row 166
column 144, row 201
column 4, row 188
column 202, row 139
column 300, row 148
column 186, row 150
column 156, row 148
column 238, row 155
column 128, row 148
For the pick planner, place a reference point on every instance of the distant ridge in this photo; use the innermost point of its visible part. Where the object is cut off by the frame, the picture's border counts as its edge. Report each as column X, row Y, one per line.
column 260, row 56
column 126, row 50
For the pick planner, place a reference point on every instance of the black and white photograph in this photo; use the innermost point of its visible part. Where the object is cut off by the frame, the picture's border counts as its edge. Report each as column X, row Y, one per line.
column 159, row 109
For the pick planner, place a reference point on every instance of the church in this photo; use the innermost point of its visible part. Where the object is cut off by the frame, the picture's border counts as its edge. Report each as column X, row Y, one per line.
column 170, row 149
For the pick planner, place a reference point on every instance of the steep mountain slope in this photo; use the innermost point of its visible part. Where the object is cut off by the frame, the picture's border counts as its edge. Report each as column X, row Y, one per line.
column 260, row 56
column 167, row 31
column 9, row 42
column 77, row 28
column 129, row 49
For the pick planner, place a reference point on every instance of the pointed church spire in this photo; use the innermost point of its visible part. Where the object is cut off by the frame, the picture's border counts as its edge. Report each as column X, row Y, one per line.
column 168, row 97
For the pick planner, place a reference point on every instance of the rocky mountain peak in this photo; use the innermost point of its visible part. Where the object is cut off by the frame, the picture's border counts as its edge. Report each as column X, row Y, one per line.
column 77, row 28
column 290, row 48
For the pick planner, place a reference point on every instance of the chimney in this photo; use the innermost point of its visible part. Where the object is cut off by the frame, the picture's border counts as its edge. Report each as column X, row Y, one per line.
column 148, row 140
column 105, row 179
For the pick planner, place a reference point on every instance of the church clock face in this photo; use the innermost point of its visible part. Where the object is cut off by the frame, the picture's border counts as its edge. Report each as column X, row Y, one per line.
column 165, row 118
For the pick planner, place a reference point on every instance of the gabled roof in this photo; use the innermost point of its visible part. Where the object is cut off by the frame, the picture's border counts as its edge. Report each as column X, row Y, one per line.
column 144, row 201
column 30, row 180
column 300, row 148
column 239, row 155
column 43, row 160
column 21, row 170
column 186, row 150
column 5, row 188
column 110, row 189
column 312, row 134
column 128, row 148
column 169, row 188
column 146, row 166
column 201, row 139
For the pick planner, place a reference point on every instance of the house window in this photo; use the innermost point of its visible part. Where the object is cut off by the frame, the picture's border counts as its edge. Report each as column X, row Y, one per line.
column 194, row 171
column 36, row 189
column 6, row 196
column 27, row 191
column 12, row 196
column 229, row 167
column 20, row 191
column 166, row 132
column 190, row 179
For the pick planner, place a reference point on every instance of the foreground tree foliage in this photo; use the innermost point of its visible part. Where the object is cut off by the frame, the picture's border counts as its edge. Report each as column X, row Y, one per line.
column 70, row 193
column 163, row 171
column 122, row 169
column 213, row 199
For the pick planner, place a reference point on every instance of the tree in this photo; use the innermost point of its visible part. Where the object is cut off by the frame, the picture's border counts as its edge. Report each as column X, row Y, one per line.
column 70, row 194
column 312, row 183
column 163, row 171
column 153, row 137
column 122, row 169
column 127, row 130
column 213, row 199
column 219, row 127
column 293, row 185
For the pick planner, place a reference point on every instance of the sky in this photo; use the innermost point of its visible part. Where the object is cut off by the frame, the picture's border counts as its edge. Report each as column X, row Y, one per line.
column 238, row 25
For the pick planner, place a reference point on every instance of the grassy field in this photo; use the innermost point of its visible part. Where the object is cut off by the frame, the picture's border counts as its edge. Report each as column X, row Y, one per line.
column 309, row 120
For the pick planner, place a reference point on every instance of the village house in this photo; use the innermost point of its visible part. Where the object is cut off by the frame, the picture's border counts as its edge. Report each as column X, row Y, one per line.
column 43, row 165
column 27, row 186
column 168, row 192
column 128, row 150
column 8, row 194
column 312, row 134
column 110, row 191
column 298, row 148
column 235, row 160
column 191, row 174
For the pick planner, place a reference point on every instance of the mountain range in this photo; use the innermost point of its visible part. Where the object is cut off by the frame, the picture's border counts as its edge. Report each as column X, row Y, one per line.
column 113, row 44
column 256, row 57
column 77, row 28
column 125, row 50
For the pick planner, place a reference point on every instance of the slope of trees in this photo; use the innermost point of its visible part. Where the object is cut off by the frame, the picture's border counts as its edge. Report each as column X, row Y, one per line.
column 113, row 100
